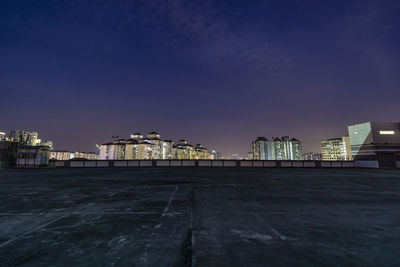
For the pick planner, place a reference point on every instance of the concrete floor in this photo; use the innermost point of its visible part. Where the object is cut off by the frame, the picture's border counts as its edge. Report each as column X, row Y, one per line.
column 200, row 217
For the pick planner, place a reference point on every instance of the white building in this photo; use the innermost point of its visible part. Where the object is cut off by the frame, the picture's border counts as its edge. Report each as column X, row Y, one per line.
column 84, row 155
column 2, row 136
column 60, row 155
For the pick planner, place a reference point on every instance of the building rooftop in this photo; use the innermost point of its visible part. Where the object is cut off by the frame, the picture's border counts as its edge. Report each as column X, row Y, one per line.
column 335, row 223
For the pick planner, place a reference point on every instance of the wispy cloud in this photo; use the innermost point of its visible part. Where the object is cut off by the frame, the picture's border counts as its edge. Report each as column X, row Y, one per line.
column 219, row 46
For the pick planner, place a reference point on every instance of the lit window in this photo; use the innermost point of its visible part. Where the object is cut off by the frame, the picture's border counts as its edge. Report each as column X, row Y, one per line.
column 386, row 132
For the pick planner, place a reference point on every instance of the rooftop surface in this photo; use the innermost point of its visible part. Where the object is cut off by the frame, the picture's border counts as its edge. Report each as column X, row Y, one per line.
column 200, row 217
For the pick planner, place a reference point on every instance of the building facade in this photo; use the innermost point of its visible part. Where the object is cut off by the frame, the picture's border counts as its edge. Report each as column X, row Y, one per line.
column 260, row 148
column 60, row 155
column 336, row 149
column 25, row 138
column 277, row 149
column 151, row 147
column 2, row 136
column 312, row 156
column 84, row 155
column 32, row 156
column 376, row 144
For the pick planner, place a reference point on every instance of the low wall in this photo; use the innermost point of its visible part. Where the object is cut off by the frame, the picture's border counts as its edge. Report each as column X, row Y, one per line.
column 207, row 163
column 366, row 164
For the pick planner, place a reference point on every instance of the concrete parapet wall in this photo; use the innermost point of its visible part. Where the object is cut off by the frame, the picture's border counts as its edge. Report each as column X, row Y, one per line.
column 270, row 164
column 163, row 163
column 103, row 163
column 121, row 163
column 310, row 164
column 145, row 163
column 215, row 163
column 133, row 163
column 326, row 164
column 246, row 163
column 366, row 164
column 205, row 163
column 74, row 164
column 90, row 164
column 286, row 164
column 258, row 163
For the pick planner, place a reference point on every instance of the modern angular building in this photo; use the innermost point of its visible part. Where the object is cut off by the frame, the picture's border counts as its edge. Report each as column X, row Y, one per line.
column 375, row 144
column 336, row 149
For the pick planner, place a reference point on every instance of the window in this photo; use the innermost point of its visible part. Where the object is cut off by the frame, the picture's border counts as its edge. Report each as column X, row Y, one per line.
column 386, row 132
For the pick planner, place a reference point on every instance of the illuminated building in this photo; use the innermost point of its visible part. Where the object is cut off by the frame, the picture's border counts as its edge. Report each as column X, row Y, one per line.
column 60, row 155
column 260, row 148
column 131, row 149
column 151, row 147
column 377, row 144
column 22, row 137
column 84, row 155
column 114, row 150
column 2, row 136
column 312, row 156
column 277, row 149
column 157, row 148
column 46, row 143
column 168, row 149
column 336, row 149
column 201, row 152
column 215, row 155
column 145, row 150
column 184, row 150
column 137, row 136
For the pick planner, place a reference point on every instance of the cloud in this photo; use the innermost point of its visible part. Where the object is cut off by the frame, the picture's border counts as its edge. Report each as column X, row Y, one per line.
column 218, row 45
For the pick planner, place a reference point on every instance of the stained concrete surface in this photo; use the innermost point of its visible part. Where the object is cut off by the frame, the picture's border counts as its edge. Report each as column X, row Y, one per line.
column 199, row 217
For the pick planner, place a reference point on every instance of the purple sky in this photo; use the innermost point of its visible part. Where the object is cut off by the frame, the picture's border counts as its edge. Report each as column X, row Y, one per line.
column 219, row 73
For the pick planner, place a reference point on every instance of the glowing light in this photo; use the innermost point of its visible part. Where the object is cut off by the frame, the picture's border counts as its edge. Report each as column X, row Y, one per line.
column 386, row 132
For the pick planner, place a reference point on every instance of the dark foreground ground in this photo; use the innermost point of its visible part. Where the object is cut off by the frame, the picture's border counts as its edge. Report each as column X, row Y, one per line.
column 199, row 217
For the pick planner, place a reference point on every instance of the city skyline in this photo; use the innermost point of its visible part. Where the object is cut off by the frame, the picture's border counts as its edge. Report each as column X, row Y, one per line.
column 95, row 147
column 218, row 72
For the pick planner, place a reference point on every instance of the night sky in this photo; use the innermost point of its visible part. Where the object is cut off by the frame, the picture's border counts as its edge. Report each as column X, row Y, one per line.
column 219, row 73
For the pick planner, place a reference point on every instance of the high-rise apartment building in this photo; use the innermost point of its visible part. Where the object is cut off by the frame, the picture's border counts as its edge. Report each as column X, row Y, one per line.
column 26, row 138
column 260, row 148
column 168, row 149
column 277, row 149
column 336, row 149
column 157, row 148
column 151, row 147
column 201, row 152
